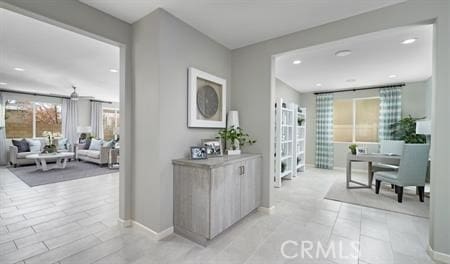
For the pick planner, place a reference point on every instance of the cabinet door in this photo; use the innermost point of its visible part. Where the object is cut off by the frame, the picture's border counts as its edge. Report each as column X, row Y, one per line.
column 225, row 197
column 250, row 185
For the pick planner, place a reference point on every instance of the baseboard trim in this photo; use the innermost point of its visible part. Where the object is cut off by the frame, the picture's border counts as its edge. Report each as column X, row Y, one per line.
column 155, row 235
column 266, row 210
column 438, row 256
column 125, row 223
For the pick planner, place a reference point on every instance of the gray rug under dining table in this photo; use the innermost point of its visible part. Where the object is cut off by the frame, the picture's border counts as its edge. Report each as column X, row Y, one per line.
column 74, row 170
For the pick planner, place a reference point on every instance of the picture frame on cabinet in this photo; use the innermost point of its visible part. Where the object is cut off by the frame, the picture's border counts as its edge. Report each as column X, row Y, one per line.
column 199, row 153
column 213, row 147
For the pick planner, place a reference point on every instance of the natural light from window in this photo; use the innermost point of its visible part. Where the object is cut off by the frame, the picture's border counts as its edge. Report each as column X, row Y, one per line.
column 356, row 120
column 110, row 123
column 25, row 119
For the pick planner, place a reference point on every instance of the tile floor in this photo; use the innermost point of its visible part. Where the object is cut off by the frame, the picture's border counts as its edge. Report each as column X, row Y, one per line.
column 75, row 222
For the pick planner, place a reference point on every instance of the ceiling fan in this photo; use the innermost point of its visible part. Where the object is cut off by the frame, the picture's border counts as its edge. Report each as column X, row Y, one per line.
column 75, row 97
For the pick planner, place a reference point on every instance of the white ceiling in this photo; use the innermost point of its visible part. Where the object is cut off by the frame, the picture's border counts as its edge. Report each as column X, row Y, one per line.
column 54, row 59
column 238, row 23
column 374, row 58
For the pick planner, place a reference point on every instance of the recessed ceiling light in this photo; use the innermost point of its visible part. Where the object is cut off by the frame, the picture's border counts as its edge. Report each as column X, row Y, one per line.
column 392, row 76
column 3, row 83
column 113, row 70
column 351, row 80
column 318, row 84
column 297, row 62
column 19, row 69
column 343, row 53
column 409, row 41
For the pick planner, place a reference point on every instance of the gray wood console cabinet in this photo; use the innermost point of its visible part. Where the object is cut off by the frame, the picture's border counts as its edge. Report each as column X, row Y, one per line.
column 211, row 195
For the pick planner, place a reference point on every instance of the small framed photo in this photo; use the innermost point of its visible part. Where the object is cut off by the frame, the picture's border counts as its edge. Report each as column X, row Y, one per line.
column 360, row 151
column 213, row 147
column 199, row 153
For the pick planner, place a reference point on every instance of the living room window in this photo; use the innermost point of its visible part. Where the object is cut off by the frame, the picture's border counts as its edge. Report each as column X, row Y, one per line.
column 26, row 119
column 356, row 120
column 110, row 123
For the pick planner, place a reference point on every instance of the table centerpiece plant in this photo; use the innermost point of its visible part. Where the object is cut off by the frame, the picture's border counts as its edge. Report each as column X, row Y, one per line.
column 50, row 147
column 352, row 148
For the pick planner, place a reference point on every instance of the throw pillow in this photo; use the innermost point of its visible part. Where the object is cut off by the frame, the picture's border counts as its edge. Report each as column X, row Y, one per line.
column 62, row 143
column 96, row 144
column 35, row 145
column 87, row 144
column 22, row 145
column 109, row 144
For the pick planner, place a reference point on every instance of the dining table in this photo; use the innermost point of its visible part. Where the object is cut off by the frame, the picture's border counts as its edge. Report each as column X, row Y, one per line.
column 370, row 159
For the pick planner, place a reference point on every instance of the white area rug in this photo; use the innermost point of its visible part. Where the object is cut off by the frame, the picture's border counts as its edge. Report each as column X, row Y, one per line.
column 386, row 200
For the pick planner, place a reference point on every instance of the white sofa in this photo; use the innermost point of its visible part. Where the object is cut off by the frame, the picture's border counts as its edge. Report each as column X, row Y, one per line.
column 100, row 157
column 17, row 158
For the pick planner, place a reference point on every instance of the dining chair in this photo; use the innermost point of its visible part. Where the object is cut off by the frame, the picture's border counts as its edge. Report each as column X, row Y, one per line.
column 388, row 147
column 411, row 172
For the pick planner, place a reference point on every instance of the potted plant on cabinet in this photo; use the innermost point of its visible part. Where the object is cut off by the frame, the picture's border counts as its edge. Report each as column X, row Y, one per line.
column 235, row 138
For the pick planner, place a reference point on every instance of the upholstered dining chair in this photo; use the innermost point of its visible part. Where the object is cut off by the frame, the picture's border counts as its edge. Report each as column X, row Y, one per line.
column 390, row 147
column 411, row 172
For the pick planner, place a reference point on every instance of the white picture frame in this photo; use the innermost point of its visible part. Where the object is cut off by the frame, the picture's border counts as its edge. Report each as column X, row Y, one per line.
column 195, row 119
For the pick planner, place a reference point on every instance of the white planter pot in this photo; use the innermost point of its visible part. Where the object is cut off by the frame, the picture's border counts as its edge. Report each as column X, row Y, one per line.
column 234, row 152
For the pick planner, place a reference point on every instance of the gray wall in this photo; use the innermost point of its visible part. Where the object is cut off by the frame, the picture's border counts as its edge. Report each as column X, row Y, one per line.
column 253, row 91
column 178, row 46
column 146, row 182
column 289, row 94
column 414, row 102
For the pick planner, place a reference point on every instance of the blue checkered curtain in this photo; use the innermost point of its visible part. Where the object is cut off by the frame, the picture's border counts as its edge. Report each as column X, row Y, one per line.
column 390, row 111
column 324, row 131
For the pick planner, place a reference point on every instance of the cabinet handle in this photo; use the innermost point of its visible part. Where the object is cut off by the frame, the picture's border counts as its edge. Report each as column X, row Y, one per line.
column 243, row 170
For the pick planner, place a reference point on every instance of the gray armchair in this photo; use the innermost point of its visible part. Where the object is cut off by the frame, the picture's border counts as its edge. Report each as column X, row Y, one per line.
column 394, row 147
column 411, row 172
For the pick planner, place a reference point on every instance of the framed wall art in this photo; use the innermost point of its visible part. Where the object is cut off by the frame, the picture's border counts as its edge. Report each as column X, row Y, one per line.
column 206, row 100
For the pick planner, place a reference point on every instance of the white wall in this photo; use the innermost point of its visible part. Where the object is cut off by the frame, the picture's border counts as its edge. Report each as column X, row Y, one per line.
column 253, row 91
column 289, row 94
column 178, row 47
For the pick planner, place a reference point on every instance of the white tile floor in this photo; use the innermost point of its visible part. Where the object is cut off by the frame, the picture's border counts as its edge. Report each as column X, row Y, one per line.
column 75, row 222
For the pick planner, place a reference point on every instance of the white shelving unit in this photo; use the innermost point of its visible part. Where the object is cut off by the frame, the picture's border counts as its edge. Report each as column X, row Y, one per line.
column 284, row 141
column 299, row 139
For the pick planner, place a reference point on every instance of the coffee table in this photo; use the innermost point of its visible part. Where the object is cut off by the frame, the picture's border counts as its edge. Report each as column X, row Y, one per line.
column 42, row 159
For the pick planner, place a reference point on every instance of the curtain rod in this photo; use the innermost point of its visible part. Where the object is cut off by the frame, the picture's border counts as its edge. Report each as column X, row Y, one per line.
column 363, row 88
column 48, row 95
column 34, row 94
column 100, row 101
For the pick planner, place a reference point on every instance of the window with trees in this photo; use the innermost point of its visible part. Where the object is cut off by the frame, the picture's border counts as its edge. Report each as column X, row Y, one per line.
column 110, row 123
column 25, row 119
column 356, row 120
